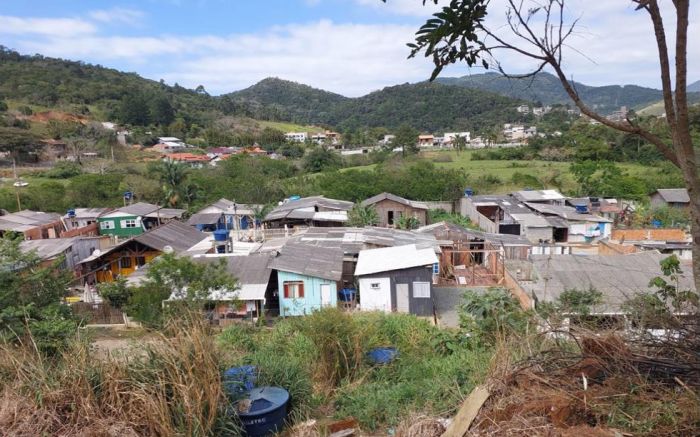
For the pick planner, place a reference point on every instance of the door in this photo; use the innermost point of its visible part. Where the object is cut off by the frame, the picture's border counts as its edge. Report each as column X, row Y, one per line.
column 402, row 298
column 325, row 295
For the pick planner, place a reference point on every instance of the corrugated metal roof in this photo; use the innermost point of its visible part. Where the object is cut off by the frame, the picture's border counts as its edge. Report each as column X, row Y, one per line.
column 47, row 248
column 618, row 277
column 308, row 204
column 566, row 212
column 177, row 235
column 674, row 195
column 205, row 218
column 353, row 240
column 531, row 220
column 393, row 258
column 89, row 212
column 166, row 213
column 139, row 208
column 310, row 260
column 393, row 197
column 539, row 195
column 454, row 232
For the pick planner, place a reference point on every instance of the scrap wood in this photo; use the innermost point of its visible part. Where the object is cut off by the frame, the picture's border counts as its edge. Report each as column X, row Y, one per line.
column 467, row 412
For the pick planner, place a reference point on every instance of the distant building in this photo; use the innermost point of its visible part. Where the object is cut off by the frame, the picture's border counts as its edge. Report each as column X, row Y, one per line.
column 671, row 197
column 298, row 137
column 189, row 159
column 523, row 109
column 33, row 225
column 450, row 137
column 391, row 208
column 309, row 211
column 426, row 140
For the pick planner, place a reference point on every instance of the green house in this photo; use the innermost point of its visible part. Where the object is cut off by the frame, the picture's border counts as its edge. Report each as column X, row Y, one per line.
column 135, row 219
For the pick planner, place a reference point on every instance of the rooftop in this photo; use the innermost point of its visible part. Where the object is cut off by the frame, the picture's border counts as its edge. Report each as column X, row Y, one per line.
column 538, row 195
column 566, row 212
column 305, row 208
column 309, row 260
column 388, row 196
column 47, row 248
column 393, row 258
column 177, row 235
column 452, row 232
column 674, row 195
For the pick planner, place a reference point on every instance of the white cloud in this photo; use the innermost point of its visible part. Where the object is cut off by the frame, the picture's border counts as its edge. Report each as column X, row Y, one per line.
column 120, row 15
column 413, row 8
column 50, row 27
column 350, row 59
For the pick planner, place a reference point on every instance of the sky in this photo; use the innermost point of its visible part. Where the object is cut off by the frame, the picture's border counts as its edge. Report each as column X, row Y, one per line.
column 350, row 47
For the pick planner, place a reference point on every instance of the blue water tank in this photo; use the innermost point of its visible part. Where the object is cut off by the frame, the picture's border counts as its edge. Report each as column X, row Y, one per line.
column 220, row 235
column 581, row 209
column 382, row 355
column 71, row 213
column 656, row 223
column 238, row 380
column 262, row 411
column 347, row 294
column 128, row 195
column 294, row 197
column 468, row 192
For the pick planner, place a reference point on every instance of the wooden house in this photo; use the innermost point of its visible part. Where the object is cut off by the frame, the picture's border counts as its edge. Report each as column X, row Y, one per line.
column 397, row 279
column 391, row 207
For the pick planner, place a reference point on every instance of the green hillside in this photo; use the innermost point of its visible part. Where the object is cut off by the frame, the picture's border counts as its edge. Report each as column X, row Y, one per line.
column 547, row 89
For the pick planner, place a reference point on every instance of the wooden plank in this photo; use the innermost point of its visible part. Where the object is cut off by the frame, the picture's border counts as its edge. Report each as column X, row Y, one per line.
column 467, row 412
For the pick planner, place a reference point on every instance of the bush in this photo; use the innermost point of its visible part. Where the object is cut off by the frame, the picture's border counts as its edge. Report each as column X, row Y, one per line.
column 492, row 315
column 63, row 170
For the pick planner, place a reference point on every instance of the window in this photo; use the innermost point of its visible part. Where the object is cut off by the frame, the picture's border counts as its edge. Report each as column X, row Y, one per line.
column 107, row 224
column 140, row 261
column 421, row 290
column 131, row 223
column 374, row 285
column 293, row 290
column 125, row 263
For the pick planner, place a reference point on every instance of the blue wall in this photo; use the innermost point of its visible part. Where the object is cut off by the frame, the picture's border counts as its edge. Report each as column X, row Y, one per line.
column 312, row 294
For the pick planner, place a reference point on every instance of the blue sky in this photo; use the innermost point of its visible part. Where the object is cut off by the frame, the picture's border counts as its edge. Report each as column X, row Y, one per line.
column 347, row 46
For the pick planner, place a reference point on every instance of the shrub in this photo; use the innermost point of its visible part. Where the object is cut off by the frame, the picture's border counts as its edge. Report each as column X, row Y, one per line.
column 491, row 315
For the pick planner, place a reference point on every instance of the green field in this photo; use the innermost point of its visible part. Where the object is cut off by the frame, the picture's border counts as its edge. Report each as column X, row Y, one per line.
column 505, row 169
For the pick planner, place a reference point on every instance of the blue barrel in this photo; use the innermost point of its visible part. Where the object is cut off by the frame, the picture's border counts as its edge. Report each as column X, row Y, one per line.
column 382, row 355
column 220, row 235
column 238, row 380
column 262, row 411
column 656, row 223
column 347, row 294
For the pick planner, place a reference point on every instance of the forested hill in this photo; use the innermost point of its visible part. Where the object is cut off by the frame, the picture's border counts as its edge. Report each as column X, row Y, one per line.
column 426, row 106
column 547, row 89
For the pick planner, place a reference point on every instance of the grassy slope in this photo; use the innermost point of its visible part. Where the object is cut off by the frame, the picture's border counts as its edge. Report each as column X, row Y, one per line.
column 289, row 127
column 504, row 170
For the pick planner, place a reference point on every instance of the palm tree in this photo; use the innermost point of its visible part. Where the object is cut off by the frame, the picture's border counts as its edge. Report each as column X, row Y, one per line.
column 173, row 176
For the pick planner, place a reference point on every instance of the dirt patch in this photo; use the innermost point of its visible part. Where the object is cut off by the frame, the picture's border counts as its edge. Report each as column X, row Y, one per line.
column 46, row 116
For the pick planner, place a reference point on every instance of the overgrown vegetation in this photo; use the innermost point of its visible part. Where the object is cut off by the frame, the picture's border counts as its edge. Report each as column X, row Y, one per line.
column 322, row 360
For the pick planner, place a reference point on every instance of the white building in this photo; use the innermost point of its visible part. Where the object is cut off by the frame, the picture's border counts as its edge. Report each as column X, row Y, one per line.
column 523, row 109
column 298, row 137
column 450, row 136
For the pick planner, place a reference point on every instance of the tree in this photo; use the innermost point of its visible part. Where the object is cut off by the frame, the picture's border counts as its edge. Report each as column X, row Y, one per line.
column 407, row 138
column 30, row 297
column 539, row 31
column 362, row 216
column 3, row 106
column 320, row 159
column 460, row 143
column 173, row 176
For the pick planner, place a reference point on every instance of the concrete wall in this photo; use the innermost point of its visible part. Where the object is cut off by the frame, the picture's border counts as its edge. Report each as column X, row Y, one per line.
column 467, row 209
column 312, row 294
column 537, row 234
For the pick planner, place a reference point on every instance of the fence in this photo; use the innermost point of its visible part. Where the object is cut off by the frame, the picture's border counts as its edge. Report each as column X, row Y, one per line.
column 98, row 313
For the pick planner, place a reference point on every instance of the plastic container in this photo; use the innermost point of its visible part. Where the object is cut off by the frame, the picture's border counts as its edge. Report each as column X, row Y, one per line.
column 382, row 355
column 262, row 411
column 347, row 294
column 238, row 380
column 220, row 235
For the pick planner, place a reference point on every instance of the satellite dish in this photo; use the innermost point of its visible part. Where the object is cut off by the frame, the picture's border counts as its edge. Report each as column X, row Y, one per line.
column 168, row 249
column 96, row 252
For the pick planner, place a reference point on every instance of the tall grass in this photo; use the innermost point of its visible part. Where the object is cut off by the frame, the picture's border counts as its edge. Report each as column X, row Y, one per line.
column 321, row 360
column 171, row 387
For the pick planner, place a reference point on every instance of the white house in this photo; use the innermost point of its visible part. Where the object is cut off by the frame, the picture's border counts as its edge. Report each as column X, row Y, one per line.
column 298, row 137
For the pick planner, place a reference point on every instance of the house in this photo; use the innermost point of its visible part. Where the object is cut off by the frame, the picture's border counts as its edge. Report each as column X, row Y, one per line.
column 253, row 276
column 450, row 137
column 69, row 250
column 33, row 225
column 82, row 221
column 523, row 109
column 307, row 277
column 54, row 150
column 618, row 278
column 297, row 137
column 495, row 213
column 572, row 225
column 397, row 279
column 671, row 197
column 426, row 140
column 168, row 147
column 189, row 159
column 605, row 207
column 309, row 211
column 136, row 218
column 225, row 214
column 391, row 208
column 387, row 140
column 128, row 256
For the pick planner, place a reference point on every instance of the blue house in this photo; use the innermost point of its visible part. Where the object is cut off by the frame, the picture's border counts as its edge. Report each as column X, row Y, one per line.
column 307, row 277
column 224, row 214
